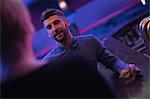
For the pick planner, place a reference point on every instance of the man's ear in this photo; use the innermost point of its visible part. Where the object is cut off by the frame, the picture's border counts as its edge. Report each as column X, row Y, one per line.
column 67, row 22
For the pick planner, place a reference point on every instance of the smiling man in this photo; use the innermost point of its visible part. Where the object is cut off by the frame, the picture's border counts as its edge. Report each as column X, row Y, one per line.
column 87, row 46
column 57, row 26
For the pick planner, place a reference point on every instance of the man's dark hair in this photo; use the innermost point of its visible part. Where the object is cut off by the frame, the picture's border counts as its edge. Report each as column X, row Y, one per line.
column 50, row 12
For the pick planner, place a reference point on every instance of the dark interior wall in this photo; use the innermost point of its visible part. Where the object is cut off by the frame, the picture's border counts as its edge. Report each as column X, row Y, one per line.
column 98, row 9
column 36, row 9
column 86, row 11
column 37, row 6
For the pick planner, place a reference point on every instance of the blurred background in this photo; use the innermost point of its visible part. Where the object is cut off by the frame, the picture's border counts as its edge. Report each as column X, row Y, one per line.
column 118, row 19
column 116, row 23
column 104, row 18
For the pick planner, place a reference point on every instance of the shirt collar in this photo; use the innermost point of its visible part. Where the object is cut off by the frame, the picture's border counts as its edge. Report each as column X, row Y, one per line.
column 73, row 45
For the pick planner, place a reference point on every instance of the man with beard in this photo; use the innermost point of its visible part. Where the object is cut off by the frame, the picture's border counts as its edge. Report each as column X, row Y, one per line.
column 87, row 46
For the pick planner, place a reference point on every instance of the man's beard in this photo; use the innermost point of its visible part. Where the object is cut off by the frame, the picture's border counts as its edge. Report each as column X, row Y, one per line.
column 59, row 33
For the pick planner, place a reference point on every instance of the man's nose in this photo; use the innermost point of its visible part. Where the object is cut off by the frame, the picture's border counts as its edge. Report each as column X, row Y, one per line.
column 53, row 30
column 54, row 27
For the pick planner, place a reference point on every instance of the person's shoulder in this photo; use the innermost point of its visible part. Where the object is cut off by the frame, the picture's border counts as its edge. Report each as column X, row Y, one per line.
column 51, row 53
column 86, row 37
column 91, row 40
column 75, row 61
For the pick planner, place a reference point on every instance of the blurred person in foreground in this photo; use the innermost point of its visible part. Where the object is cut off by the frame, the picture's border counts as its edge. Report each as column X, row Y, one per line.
column 26, row 77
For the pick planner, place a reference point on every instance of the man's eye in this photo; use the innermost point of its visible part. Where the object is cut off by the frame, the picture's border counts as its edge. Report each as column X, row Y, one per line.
column 49, row 27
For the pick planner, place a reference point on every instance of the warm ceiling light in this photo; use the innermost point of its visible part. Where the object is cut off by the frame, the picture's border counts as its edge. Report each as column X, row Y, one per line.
column 62, row 4
column 143, row 2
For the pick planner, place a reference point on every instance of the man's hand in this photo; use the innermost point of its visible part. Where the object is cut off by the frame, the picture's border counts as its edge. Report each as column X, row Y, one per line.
column 129, row 72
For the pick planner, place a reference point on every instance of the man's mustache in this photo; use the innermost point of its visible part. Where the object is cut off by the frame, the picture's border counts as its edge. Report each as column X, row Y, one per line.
column 57, row 32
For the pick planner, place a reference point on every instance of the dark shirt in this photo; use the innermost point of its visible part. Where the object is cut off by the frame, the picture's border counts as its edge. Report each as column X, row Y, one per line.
column 60, row 78
column 91, row 48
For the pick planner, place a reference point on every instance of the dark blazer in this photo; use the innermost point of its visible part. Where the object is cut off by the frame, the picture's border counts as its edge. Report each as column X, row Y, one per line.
column 66, row 77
